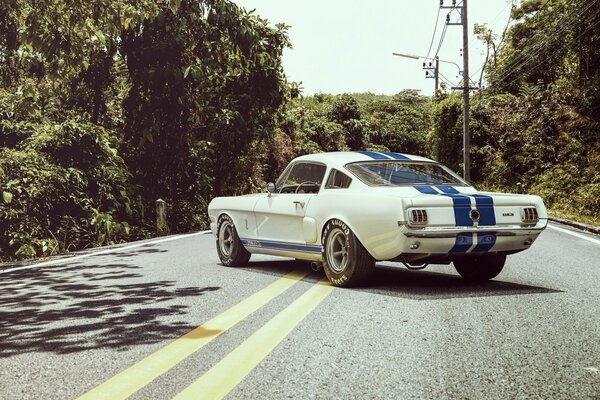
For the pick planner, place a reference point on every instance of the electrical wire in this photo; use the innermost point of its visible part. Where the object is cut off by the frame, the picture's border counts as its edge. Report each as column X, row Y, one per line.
column 448, row 82
column 536, row 49
column 547, row 56
column 434, row 31
column 441, row 40
column 529, row 54
column 508, row 3
column 445, row 79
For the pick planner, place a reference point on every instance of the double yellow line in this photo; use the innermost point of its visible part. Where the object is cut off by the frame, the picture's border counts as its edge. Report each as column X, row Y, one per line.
column 231, row 370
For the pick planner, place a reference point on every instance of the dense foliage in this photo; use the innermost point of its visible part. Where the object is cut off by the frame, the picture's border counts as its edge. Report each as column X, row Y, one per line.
column 538, row 120
column 109, row 105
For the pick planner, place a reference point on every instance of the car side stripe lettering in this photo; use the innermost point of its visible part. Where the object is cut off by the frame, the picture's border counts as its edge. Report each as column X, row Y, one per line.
column 485, row 241
column 396, row 156
column 374, row 155
column 463, row 243
column 272, row 245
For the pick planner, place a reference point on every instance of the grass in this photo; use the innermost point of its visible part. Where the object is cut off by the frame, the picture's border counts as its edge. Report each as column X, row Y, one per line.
column 572, row 216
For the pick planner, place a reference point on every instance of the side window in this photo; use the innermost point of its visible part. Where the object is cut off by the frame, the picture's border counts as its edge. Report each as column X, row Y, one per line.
column 302, row 178
column 338, row 180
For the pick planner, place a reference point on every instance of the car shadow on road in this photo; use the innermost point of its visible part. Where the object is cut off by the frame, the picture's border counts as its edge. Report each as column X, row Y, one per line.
column 415, row 285
column 70, row 308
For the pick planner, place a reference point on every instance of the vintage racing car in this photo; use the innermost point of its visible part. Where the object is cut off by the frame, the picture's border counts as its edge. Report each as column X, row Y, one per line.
column 346, row 210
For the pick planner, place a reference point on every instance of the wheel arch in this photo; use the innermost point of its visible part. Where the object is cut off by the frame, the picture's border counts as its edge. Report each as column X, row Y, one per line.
column 350, row 225
column 236, row 223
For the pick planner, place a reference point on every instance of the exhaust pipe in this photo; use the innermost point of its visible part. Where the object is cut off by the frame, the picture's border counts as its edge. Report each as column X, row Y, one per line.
column 316, row 266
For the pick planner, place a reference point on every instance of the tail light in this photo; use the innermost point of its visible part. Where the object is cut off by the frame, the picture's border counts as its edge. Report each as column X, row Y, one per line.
column 418, row 217
column 529, row 214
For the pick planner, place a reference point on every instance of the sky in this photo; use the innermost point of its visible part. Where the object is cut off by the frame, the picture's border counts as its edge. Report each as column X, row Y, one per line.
column 346, row 46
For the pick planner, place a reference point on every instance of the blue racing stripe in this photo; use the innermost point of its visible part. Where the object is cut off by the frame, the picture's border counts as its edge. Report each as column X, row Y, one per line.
column 448, row 189
column 463, row 243
column 426, row 189
column 485, row 241
column 462, row 209
column 460, row 203
column 375, row 156
column 272, row 245
column 485, row 205
column 396, row 156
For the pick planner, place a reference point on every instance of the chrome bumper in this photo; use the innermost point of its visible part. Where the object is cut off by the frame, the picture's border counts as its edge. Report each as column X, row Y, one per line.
column 450, row 232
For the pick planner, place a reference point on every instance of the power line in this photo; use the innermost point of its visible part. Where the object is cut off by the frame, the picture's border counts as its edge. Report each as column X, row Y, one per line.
column 441, row 39
column 434, row 31
column 446, row 79
column 508, row 3
column 529, row 54
column 546, row 57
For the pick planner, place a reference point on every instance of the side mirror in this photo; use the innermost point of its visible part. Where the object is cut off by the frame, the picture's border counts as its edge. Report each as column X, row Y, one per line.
column 271, row 187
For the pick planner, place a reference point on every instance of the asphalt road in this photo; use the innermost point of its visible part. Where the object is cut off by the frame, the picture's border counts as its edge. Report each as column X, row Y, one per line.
column 164, row 320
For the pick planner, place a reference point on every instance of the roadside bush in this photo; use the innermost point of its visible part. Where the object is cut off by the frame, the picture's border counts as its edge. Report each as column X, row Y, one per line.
column 63, row 186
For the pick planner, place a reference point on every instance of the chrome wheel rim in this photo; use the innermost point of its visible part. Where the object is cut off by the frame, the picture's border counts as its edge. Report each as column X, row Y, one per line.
column 337, row 251
column 226, row 238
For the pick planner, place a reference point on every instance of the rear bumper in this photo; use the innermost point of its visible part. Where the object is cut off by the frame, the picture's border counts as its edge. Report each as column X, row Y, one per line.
column 448, row 242
column 452, row 232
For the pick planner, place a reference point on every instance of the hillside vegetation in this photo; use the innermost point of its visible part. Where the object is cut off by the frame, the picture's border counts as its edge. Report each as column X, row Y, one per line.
column 107, row 107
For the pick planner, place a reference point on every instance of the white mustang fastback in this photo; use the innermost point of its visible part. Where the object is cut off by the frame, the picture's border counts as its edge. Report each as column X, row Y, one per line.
column 346, row 210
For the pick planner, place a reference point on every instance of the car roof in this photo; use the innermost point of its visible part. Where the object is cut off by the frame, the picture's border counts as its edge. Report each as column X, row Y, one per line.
column 341, row 158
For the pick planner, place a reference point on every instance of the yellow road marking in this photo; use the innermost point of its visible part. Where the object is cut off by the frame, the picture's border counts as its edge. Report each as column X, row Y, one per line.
column 139, row 375
column 231, row 370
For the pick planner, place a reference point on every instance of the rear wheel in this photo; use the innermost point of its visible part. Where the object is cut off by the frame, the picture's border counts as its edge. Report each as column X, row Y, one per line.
column 345, row 261
column 478, row 269
column 231, row 251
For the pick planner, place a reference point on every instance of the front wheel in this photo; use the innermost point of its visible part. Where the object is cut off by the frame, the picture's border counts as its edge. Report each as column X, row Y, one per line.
column 345, row 261
column 479, row 269
column 232, row 252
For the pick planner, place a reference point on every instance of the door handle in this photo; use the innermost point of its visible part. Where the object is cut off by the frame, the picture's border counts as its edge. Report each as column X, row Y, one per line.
column 299, row 203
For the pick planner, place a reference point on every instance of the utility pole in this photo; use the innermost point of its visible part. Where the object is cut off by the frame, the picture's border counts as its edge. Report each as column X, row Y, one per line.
column 436, row 74
column 466, row 82
column 436, row 69
column 466, row 89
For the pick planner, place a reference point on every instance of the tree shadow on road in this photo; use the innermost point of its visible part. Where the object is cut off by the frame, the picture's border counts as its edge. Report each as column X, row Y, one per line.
column 415, row 285
column 70, row 308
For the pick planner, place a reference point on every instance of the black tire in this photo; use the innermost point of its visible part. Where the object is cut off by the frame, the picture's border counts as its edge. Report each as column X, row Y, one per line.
column 477, row 269
column 345, row 261
column 229, row 247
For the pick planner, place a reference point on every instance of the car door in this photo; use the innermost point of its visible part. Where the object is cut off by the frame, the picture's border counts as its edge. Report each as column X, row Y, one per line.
column 279, row 217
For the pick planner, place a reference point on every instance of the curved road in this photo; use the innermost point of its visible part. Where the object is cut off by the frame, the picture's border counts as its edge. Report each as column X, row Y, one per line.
column 161, row 320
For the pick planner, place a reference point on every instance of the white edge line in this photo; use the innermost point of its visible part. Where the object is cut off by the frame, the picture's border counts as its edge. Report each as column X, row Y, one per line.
column 107, row 251
column 579, row 235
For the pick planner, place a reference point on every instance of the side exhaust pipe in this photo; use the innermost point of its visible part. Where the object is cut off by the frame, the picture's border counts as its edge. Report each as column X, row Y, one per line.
column 316, row 266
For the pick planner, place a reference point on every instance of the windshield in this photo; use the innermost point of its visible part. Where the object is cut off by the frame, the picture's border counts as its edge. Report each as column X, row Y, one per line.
column 400, row 173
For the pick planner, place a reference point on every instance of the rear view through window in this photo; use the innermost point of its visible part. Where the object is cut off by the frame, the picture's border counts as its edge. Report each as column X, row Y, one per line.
column 400, row 173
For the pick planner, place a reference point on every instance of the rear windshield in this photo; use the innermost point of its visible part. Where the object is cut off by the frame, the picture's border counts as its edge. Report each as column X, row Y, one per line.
column 400, row 173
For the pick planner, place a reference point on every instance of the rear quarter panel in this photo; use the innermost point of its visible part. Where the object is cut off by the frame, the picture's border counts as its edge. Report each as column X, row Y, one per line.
column 372, row 217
